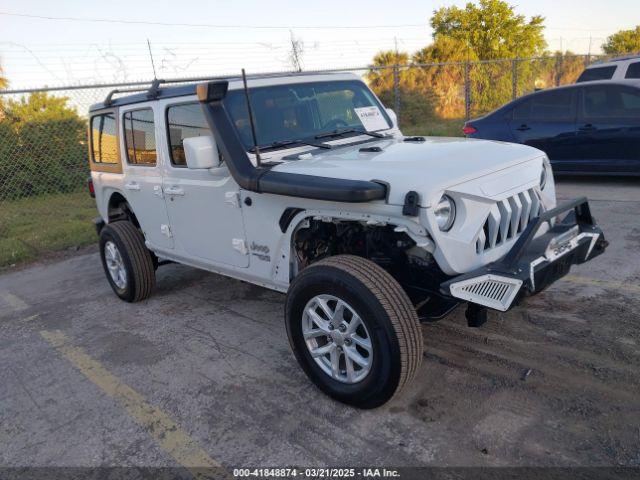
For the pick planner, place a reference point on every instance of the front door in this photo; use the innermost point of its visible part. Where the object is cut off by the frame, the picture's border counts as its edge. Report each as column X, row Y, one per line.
column 203, row 205
column 143, row 177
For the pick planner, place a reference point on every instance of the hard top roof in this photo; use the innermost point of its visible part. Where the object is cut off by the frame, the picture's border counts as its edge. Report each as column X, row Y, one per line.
column 601, row 63
column 187, row 87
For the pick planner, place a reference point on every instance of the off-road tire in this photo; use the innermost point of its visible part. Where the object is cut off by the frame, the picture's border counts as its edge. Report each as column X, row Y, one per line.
column 386, row 309
column 138, row 260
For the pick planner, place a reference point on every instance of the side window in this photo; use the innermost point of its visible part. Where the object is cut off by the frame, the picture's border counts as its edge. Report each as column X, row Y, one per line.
column 140, row 137
column 184, row 121
column 599, row 73
column 633, row 71
column 609, row 101
column 553, row 105
column 522, row 111
column 104, row 142
column 631, row 102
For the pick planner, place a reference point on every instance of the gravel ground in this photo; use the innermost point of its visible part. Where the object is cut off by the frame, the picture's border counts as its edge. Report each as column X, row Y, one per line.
column 202, row 374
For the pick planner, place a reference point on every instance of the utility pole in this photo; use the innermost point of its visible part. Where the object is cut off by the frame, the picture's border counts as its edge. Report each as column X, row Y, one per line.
column 297, row 49
column 467, row 85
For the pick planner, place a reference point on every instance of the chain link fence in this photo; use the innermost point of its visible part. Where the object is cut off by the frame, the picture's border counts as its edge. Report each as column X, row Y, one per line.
column 43, row 146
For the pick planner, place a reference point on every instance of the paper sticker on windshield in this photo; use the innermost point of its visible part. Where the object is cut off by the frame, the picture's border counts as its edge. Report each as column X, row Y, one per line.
column 371, row 118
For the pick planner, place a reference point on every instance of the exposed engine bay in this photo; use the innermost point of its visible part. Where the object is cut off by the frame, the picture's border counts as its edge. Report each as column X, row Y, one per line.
column 413, row 267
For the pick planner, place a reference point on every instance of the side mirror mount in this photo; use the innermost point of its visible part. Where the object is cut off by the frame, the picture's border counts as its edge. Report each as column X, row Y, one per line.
column 393, row 117
column 201, row 152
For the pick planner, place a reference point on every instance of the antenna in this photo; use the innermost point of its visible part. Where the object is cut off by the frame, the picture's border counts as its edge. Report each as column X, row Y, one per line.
column 253, row 126
column 153, row 66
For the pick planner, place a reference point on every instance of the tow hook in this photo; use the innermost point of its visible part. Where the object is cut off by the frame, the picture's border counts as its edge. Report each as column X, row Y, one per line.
column 476, row 315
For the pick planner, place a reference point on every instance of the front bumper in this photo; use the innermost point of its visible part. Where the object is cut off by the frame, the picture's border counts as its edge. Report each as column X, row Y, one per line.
column 533, row 263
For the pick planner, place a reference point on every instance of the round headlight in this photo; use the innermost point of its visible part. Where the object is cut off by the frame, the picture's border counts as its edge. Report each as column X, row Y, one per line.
column 543, row 175
column 445, row 213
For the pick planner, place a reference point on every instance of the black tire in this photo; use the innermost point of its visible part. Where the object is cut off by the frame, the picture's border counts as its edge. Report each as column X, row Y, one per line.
column 388, row 314
column 137, row 260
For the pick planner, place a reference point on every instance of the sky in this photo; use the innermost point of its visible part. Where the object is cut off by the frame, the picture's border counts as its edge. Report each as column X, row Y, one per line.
column 333, row 34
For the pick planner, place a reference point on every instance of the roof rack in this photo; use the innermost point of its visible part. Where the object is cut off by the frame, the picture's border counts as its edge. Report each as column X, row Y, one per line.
column 108, row 101
column 152, row 91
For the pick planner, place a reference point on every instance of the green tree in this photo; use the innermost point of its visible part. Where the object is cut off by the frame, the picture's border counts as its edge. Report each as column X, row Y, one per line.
column 491, row 29
column 445, row 73
column 559, row 68
column 47, row 147
column 624, row 41
column 380, row 76
column 488, row 30
column 416, row 102
column 40, row 107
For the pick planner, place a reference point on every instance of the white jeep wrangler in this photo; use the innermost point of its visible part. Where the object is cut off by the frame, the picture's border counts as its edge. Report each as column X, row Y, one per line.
column 304, row 184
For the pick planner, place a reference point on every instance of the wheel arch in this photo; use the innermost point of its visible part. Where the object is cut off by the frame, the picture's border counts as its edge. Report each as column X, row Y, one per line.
column 118, row 207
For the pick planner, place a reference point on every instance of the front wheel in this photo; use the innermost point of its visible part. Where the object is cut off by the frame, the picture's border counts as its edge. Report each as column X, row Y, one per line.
column 353, row 330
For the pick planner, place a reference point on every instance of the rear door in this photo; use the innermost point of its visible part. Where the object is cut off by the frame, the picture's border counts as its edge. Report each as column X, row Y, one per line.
column 609, row 128
column 547, row 120
column 143, row 176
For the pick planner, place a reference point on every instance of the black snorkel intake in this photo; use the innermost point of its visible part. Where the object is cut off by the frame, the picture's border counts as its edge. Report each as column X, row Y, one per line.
column 261, row 179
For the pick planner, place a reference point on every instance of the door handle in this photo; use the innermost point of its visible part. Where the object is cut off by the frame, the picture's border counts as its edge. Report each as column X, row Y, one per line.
column 523, row 128
column 174, row 191
column 132, row 186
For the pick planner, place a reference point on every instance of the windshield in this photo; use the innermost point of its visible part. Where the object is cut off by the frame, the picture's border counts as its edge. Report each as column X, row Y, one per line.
column 285, row 114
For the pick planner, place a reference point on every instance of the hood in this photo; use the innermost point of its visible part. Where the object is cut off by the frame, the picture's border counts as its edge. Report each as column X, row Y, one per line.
column 428, row 167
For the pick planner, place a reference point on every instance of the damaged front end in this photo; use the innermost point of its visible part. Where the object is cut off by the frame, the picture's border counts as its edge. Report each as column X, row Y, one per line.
column 533, row 263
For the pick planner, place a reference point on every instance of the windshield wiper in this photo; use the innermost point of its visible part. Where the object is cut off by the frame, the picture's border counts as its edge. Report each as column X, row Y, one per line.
column 289, row 143
column 338, row 132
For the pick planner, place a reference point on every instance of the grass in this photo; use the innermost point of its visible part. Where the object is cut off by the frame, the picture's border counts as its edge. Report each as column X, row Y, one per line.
column 34, row 227
column 437, row 127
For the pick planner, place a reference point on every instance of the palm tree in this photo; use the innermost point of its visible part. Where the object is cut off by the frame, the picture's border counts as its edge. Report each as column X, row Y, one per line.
column 4, row 83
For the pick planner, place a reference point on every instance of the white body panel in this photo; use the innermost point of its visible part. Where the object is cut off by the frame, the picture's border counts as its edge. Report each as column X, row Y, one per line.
column 213, row 228
column 142, row 186
column 205, row 215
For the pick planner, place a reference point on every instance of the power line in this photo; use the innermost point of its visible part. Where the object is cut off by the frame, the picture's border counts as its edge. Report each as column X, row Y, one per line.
column 277, row 27
column 203, row 25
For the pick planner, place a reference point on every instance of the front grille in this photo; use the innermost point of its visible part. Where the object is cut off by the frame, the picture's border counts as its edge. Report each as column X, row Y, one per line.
column 508, row 218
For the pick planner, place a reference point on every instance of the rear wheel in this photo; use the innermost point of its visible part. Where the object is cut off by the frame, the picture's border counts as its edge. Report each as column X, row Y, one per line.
column 127, row 262
column 353, row 330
